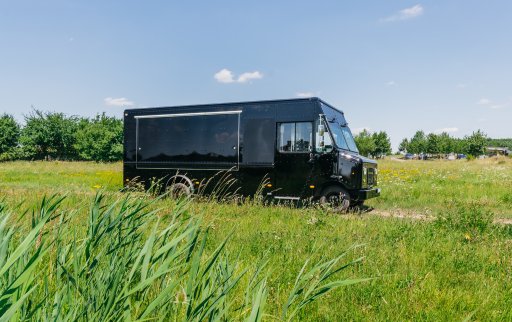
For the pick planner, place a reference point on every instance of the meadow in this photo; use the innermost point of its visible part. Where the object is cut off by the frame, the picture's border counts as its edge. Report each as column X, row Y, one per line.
column 433, row 245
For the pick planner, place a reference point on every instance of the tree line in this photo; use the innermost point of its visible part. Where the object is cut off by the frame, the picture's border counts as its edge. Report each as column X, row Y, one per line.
column 378, row 144
column 472, row 145
column 56, row 136
column 502, row 143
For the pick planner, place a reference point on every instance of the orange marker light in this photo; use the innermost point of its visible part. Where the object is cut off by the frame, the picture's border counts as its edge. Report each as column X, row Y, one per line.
column 197, row 182
column 311, row 187
column 269, row 185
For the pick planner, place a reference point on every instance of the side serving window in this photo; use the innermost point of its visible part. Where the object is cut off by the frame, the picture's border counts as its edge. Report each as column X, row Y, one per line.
column 295, row 137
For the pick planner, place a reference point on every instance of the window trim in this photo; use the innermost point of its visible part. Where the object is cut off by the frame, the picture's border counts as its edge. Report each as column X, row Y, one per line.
column 278, row 137
column 144, row 164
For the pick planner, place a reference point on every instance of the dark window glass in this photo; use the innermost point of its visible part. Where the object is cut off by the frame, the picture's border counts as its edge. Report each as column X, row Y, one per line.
column 189, row 139
column 259, row 137
column 338, row 136
column 350, row 139
column 295, row 137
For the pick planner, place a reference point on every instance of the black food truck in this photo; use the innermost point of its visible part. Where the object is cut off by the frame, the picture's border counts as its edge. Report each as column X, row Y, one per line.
column 303, row 147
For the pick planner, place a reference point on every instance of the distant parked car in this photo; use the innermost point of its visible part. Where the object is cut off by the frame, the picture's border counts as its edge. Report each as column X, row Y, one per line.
column 409, row 156
column 461, row 156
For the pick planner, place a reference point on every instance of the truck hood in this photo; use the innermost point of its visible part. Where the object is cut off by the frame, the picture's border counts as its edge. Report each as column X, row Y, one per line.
column 362, row 159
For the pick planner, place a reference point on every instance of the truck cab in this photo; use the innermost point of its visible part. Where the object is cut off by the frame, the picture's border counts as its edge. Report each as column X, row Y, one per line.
column 333, row 170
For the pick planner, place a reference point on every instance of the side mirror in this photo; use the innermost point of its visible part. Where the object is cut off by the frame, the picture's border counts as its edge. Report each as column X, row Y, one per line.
column 321, row 130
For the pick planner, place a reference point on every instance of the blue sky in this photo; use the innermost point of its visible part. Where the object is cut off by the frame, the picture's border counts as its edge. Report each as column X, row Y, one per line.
column 396, row 66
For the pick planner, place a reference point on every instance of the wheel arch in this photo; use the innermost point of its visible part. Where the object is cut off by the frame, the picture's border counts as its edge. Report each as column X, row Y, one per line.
column 180, row 178
column 329, row 184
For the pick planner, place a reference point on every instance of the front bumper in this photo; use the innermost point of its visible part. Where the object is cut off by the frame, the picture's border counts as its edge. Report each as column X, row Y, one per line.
column 367, row 193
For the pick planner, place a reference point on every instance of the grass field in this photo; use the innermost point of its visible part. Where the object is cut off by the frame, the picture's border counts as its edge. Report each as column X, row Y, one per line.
column 453, row 267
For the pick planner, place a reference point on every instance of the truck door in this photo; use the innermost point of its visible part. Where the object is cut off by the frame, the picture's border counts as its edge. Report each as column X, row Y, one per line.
column 292, row 167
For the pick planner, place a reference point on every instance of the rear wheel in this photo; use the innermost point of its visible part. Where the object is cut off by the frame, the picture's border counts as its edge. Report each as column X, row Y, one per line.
column 336, row 198
column 179, row 187
column 179, row 190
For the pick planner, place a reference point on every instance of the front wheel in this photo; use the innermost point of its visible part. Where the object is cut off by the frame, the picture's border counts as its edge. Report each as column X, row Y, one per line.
column 336, row 198
column 357, row 204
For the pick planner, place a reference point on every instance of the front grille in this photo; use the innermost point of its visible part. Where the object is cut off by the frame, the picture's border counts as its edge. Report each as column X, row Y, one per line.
column 369, row 176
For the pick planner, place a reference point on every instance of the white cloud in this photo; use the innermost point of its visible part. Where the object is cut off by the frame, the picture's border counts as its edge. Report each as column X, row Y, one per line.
column 245, row 77
column 305, row 94
column 391, row 83
column 494, row 105
column 405, row 14
column 484, row 101
column 490, row 104
column 447, row 130
column 462, row 85
column 121, row 101
column 227, row 76
column 224, row 76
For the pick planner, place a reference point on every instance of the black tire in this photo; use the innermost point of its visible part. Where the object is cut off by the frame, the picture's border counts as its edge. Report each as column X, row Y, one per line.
column 358, row 203
column 179, row 190
column 335, row 198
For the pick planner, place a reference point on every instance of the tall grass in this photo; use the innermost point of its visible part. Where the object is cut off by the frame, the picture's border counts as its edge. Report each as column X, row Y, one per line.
column 131, row 260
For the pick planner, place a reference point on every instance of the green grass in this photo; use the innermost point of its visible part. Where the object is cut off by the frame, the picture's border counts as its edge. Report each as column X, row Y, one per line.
column 427, row 187
column 447, row 269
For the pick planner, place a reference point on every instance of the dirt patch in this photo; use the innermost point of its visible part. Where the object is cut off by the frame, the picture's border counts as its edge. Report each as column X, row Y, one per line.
column 407, row 214
column 503, row 221
column 402, row 214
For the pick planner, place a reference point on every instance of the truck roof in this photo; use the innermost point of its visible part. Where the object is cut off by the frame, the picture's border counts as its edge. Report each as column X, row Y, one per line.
column 291, row 100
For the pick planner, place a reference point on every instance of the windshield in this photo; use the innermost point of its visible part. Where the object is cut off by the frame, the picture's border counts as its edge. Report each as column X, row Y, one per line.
column 343, row 137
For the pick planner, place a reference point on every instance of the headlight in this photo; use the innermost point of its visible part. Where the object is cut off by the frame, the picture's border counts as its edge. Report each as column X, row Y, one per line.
column 365, row 177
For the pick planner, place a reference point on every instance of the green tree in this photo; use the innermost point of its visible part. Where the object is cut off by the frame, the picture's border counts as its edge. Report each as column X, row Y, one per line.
column 459, row 145
column 382, row 144
column 100, row 139
column 404, row 145
column 475, row 143
column 9, row 133
column 433, row 144
column 49, row 135
column 365, row 143
column 446, row 143
column 418, row 143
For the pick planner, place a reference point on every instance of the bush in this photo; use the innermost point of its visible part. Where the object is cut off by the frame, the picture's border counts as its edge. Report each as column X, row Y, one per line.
column 476, row 143
column 100, row 139
column 9, row 134
column 49, row 135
